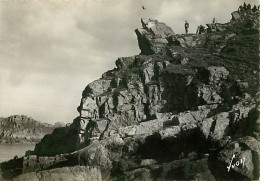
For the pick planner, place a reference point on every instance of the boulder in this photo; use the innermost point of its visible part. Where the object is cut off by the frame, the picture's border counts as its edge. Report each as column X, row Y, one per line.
column 152, row 38
column 241, row 158
column 216, row 127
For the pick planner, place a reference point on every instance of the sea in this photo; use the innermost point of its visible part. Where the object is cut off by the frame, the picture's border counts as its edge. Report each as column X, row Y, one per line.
column 9, row 151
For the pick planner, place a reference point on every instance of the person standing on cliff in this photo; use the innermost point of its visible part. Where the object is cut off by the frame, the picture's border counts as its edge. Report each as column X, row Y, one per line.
column 240, row 9
column 244, row 6
column 214, row 23
column 186, row 25
column 249, row 7
column 198, row 30
column 254, row 9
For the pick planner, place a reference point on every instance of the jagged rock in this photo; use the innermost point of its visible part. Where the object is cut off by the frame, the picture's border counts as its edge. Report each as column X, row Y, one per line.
column 185, row 41
column 152, row 38
column 179, row 110
column 217, row 74
column 220, row 126
column 124, row 62
column 243, row 156
column 89, row 107
column 206, row 126
column 97, row 87
column 209, row 92
column 148, row 71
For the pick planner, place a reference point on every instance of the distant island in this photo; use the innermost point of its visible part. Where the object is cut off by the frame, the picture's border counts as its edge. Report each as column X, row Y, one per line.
column 21, row 129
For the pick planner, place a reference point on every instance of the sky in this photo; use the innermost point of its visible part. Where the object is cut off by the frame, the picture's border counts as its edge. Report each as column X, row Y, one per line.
column 51, row 49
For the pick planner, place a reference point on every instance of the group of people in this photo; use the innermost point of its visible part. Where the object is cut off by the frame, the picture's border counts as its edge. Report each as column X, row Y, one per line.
column 247, row 7
column 201, row 29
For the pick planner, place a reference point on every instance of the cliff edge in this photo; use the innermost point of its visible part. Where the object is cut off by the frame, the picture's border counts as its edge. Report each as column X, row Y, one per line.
column 186, row 108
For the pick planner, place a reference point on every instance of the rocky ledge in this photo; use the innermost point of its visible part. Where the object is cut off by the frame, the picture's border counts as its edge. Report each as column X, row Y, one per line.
column 186, row 108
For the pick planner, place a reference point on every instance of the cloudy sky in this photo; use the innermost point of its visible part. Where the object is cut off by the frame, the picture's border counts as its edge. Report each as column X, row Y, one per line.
column 51, row 49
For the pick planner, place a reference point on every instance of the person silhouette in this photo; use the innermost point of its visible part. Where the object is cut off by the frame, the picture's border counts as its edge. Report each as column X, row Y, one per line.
column 249, row 7
column 186, row 25
column 244, row 6
column 240, row 9
column 214, row 21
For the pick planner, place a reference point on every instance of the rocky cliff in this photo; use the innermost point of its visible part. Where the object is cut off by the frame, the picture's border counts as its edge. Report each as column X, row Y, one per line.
column 22, row 129
column 186, row 108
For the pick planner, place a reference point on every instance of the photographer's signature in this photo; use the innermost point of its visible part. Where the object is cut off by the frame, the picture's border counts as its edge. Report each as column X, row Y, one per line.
column 237, row 163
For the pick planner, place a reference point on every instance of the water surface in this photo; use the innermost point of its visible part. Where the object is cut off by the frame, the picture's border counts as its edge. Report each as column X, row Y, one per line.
column 8, row 151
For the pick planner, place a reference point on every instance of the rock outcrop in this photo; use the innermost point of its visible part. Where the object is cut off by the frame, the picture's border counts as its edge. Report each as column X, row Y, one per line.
column 22, row 129
column 186, row 108
column 152, row 37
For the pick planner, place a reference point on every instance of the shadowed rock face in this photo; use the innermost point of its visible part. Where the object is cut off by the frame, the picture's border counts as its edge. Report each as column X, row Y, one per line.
column 179, row 110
